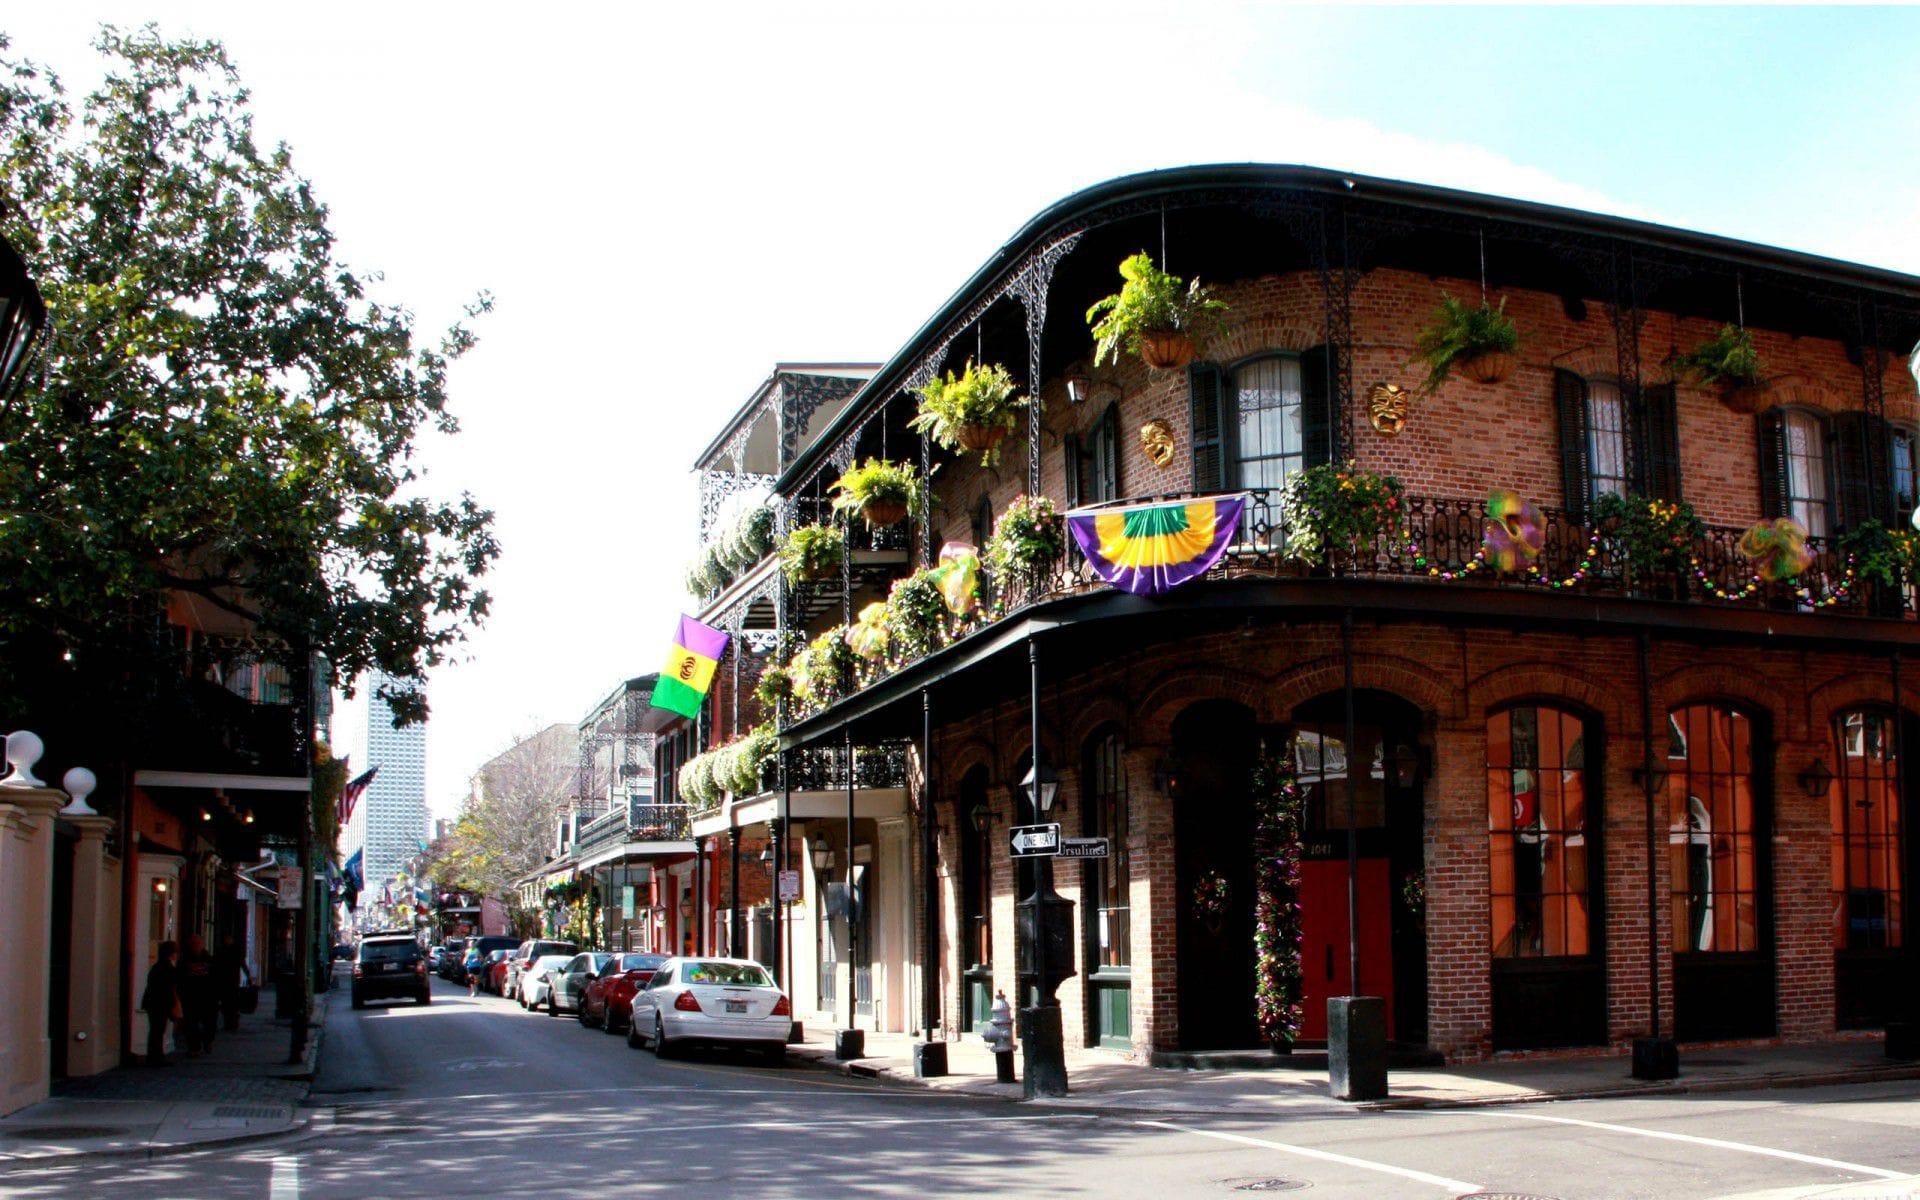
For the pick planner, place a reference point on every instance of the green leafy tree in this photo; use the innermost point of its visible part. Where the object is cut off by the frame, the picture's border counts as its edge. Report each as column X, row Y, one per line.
column 505, row 828
column 222, row 409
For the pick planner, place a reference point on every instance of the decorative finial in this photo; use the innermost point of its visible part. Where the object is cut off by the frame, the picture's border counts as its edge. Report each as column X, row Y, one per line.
column 79, row 783
column 24, row 749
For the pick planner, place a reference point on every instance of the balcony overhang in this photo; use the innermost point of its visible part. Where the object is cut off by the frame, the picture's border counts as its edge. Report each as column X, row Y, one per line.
column 756, row 812
column 633, row 851
column 222, row 781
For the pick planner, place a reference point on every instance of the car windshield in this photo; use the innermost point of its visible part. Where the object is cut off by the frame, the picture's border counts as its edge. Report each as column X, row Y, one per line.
column 641, row 962
column 388, row 951
column 726, row 974
column 547, row 961
column 567, row 949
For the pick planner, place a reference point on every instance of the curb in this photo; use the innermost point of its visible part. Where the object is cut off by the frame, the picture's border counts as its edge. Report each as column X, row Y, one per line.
column 13, row 1164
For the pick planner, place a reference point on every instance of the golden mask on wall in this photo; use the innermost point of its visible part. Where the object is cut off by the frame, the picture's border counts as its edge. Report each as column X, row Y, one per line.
column 1388, row 406
column 1156, row 438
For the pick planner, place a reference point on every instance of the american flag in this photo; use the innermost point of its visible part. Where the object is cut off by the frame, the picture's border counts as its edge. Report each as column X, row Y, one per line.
column 350, row 795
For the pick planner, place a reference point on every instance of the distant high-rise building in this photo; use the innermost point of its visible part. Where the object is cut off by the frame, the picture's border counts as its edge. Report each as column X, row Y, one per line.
column 390, row 822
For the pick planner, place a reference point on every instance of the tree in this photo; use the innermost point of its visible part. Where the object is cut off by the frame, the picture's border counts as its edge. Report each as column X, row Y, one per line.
column 506, row 824
column 222, row 409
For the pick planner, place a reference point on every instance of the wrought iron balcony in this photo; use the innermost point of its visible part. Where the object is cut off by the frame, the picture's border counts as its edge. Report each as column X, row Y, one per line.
column 635, row 823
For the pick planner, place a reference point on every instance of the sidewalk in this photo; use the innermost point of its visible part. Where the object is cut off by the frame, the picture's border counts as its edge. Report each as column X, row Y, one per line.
column 242, row 1090
column 1107, row 1080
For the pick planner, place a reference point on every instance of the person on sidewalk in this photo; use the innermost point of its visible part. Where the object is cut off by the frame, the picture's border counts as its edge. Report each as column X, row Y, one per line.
column 228, row 967
column 161, row 1003
column 197, row 995
column 474, row 963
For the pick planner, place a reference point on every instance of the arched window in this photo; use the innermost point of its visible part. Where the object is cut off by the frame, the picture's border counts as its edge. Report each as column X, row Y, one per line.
column 1258, row 423
column 1105, row 799
column 1539, row 830
column 1712, row 831
column 1867, row 837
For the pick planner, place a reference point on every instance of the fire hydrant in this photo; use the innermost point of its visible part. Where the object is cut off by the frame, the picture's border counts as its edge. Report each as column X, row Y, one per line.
column 998, row 1035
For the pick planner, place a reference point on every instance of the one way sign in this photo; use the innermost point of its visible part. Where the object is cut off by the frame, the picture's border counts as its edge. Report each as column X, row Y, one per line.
column 1034, row 841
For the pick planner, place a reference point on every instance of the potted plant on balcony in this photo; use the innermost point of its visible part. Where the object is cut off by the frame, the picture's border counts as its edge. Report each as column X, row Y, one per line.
column 882, row 492
column 973, row 411
column 1649, row 535
column 1338, row 509
column 823, row 671
column 1029, row 536
column 748, row 539
column 775, row 685
column 1728, row 361
column 742, row 762
column 916, row 615
column 1478, row 342
column 812, row 552
column 1154, row 315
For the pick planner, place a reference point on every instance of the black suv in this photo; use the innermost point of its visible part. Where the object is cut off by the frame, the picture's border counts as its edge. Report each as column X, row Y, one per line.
column 390, row 968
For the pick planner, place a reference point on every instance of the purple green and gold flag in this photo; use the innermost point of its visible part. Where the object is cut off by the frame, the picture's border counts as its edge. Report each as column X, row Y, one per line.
column 683, row 683
column 1148, row 549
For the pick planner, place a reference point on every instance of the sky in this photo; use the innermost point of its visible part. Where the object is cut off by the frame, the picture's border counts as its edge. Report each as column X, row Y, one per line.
column 665, row 200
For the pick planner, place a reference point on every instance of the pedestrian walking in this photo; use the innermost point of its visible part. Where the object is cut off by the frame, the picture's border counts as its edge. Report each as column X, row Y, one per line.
column 161, row 1002
column 228, row 967
column 474, row 963
column 198, row 998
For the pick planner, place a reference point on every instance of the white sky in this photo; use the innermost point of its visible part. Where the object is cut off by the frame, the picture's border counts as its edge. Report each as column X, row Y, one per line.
column 667, row 198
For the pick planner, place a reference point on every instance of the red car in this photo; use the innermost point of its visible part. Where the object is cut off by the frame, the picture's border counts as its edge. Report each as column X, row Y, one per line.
column 496, row 977
column 608, row 1002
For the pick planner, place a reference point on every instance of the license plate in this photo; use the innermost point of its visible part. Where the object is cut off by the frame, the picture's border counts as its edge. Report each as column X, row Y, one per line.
column 736, row 1006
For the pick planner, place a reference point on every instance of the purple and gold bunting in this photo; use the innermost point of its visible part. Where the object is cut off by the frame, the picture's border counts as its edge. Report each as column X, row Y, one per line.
column 1148, row 549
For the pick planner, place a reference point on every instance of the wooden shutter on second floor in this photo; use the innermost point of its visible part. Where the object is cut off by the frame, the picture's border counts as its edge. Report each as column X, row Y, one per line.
column 1070, row 451
column 1576, row 460
column 1106, row 455
column 1862, row 468
column 1659, row 473
column 1207, row 385
column 1317, row 417
column 1775, row 490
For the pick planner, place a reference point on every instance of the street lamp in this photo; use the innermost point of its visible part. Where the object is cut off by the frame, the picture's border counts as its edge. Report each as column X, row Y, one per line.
column 822, row 858
column 1041, row 785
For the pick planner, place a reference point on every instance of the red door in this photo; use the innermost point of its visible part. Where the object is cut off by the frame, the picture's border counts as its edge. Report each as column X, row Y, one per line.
column 1324, row 958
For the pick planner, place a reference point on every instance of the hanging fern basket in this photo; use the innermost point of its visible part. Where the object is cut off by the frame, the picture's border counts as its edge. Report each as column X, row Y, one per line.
column 881, row 513
column 1488, row 366
column 1165, row 349
column 980, row 439
column 1746, row 398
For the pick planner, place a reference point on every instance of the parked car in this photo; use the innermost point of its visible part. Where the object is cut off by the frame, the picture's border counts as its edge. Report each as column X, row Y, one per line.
column 570, row 982
column 535, row 980
column 342, row 952
column 529, row 950
column 491, row 973
column 452, row 951
column 716, row 1001
column 486, row 944
column 387, row 968
column 434, row 954
column 608, row 1003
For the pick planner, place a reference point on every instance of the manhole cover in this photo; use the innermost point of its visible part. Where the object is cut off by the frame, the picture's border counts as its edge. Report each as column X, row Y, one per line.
column 1266, row 1185
column 249, row 1112
column 61, row 1133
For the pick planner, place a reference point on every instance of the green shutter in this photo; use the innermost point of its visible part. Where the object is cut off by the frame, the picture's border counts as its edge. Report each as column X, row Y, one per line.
column 1774, row 488
column 1660, row 443
column 1316, row 406
column 1576, row 455
column 1207, row 391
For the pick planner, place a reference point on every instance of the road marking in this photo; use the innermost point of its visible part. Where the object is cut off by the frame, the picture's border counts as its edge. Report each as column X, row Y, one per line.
column 285, row 1181
column 864, row 1123
column 1694, row 1140
column 611, row 1091
column 1456, row 1186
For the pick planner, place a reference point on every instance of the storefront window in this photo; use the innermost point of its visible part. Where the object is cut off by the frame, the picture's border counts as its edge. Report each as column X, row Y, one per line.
column 1538, row 837
column 1107, row 883
column 1865, row 803
column 1711, row 833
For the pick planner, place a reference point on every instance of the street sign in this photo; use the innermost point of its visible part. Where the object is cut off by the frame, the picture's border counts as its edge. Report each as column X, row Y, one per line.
column 789, row 885
column 1084, row 847
column 290, row 884
column 1034, row 841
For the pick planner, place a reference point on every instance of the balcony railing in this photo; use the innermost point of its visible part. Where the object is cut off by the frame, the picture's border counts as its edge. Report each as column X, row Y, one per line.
column 635, row 823
column 1440, row 542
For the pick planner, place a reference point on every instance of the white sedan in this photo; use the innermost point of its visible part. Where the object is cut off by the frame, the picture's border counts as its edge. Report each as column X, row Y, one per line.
column 729, row 1001
column 535, row 986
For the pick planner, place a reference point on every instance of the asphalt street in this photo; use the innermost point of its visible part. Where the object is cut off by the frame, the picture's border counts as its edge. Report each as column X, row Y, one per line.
column 475, row 1098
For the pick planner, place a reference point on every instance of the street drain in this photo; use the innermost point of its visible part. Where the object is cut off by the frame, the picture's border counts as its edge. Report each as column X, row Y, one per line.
column 249, row 1112
column 61, row 1133
column 1266, row 1185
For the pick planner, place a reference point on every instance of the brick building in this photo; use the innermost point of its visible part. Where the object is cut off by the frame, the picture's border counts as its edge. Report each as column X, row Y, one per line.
column 1572, row 790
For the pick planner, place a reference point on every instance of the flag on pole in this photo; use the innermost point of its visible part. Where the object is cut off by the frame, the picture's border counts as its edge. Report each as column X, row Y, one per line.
column 1148, row 549
column 350, row 794
column 355, row 871
column 683, row 683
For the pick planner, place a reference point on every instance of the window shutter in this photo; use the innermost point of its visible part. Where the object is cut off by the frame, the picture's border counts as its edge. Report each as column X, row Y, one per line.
column 1773, row 463
column 1071, row 452
column 1208, row 387
column 1576, row 460
column 1106, row 461
column 1660, row 442
column 1316, row 407
column 1862, row 473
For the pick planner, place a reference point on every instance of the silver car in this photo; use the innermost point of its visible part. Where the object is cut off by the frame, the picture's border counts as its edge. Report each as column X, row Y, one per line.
column 569, row 983
column 717, row 1001
column 536, row 982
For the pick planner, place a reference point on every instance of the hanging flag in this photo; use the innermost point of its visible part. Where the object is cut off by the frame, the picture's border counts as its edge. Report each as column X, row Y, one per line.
column 1148, row 549
column 697, row 650
column 355, row 870
column 350, row 794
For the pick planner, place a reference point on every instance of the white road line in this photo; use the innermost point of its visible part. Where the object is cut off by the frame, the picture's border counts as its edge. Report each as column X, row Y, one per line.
column 653, row 1130
column 1455, row 1186
column 1691, row 1139
column 285, row 1182
column 346, row 1100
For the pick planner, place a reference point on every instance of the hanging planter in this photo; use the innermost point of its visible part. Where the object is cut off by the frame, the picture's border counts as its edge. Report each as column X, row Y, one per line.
column 1728, row 361
column 883, row 493
column 1478, row 342
column 1154, row 315
column 974, row 411
column 1488, row 366
column 812, row 553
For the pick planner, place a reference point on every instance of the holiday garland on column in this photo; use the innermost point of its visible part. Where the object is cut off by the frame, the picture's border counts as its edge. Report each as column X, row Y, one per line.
column 1276, row 888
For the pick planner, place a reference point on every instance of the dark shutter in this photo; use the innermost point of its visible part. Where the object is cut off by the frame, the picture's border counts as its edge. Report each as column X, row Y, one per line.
column 1774, row 490
column 1576, row 444
column 1862, row 471
column 1106, row 455
column 1660, row 443
column 1208, row 389
column 1316, row 407
column 1071, row 453
column 982, row 521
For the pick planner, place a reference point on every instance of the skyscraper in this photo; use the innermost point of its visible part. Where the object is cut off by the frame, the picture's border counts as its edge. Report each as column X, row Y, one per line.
column 390, row 821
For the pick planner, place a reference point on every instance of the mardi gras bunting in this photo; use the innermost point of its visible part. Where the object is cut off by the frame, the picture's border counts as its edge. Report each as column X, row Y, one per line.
column 683, row 683
column 1148, row 549
column 1514, row 534
column 1777, row 548
column 868, row 634
column 958, row 577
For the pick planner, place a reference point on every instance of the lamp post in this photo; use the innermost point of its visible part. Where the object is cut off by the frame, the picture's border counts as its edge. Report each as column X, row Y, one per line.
column 1042, row 1038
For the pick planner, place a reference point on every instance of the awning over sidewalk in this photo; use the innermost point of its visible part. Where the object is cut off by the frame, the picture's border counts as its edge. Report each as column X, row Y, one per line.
column 806, row 806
